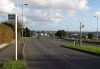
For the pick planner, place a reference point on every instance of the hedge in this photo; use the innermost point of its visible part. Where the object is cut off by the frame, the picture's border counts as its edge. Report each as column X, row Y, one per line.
column 6, row 34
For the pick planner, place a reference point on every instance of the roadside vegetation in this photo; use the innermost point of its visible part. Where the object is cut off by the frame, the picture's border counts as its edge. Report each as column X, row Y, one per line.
column 61, row 34
column 15, row 65
column 84, row 48
column 84, row 40
column 24, row 39
column 27, row 32
column 91, row 36
column 6, row 34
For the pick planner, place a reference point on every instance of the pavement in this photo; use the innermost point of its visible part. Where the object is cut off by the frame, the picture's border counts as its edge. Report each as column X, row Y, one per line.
column 49, row 54
column 3, row 45
column 8, row 53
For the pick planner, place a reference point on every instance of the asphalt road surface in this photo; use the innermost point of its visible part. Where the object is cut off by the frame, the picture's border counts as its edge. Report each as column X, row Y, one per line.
column 49, row 54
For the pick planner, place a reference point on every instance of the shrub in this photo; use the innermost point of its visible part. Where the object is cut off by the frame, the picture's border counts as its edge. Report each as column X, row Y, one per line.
column 14, row 65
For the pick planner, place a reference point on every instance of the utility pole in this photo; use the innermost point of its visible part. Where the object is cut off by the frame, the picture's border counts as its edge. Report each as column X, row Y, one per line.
column 80, row 34
column 97, row 28
column 22, row 20
column 80, row 38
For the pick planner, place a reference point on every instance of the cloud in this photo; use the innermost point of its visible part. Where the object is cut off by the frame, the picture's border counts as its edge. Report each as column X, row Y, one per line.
column 70, row 5
column 6, row 6
column 55, row 15
column 97, row 13
column 48, row 11
column 83, row 5
column 47, row 16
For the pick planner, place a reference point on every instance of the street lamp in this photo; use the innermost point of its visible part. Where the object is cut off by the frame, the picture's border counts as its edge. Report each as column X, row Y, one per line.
column 22, row 16
column 97, row 27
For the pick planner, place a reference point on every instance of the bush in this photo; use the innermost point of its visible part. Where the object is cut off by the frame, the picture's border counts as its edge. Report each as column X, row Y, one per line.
column 6, row 34
column 15, row 65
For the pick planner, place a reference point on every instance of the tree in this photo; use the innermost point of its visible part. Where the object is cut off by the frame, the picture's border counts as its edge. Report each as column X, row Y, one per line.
column 43, row 32
column 91, row 36
column 26, row 32
column 61, row 33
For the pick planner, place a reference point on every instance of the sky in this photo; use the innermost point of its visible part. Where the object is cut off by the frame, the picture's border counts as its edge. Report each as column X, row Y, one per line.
column 52, row 15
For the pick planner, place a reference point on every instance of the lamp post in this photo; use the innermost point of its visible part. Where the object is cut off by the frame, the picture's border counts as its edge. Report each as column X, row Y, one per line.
column 22, row 16
column 97, row 27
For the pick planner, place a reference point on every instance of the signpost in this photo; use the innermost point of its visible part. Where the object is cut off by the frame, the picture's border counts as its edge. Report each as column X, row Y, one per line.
column 13, row 19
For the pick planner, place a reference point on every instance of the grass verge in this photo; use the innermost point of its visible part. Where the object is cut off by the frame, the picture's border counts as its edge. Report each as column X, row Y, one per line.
column 24, row 39
column 88, row 49
column 14, row 65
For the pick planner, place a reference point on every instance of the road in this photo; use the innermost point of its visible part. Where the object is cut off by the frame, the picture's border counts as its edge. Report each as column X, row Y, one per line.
column 49, row 54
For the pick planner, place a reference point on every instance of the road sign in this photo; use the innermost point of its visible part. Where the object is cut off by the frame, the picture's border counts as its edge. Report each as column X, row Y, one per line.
column 12, row 18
